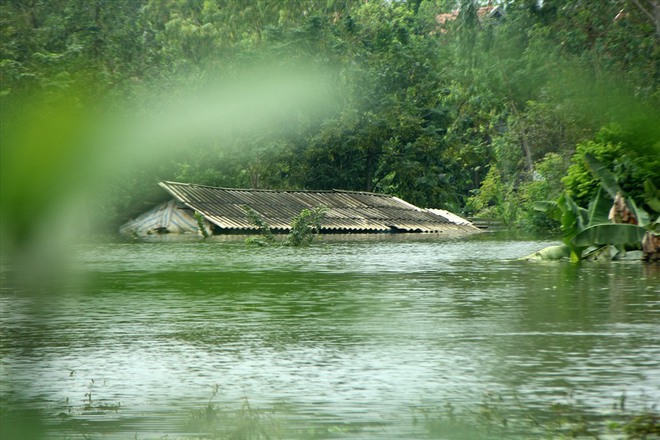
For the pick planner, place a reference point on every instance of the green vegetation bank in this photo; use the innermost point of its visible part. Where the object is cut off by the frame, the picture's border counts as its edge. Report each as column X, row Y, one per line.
column 482, row 114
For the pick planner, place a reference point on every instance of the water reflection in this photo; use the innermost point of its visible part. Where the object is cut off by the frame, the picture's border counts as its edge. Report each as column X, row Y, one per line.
column 348, row 334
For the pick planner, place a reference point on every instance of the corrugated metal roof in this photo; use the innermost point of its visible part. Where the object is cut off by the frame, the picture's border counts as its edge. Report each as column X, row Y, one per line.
column 451, row 217
column 346, row 210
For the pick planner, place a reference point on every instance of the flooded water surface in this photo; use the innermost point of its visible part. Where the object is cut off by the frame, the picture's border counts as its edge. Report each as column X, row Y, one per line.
column 382, row 337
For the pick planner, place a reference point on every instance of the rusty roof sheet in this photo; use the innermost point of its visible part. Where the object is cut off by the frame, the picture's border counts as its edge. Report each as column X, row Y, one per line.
column 349, row 211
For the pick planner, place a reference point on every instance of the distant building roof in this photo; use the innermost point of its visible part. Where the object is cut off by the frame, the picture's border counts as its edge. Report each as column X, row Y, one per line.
column 347, row 211
column 489, row 11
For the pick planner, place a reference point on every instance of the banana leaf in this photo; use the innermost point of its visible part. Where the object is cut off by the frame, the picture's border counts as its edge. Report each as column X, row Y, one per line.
column 573, row 218
column 606, row 177
column 603, row 251
column 608, row 183
column 652, row 196
column 642, row 216
column 589, row 233
column 599, row 208
column 615, row 234
column 550, row 208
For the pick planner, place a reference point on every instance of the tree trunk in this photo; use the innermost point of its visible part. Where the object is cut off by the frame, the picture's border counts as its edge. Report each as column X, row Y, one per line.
column 523, row 139
column 652, row 14
column 369, row 170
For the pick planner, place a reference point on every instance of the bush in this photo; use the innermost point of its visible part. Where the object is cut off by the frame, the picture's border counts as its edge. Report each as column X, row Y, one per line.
column 546, row 185
column 304, row 227
column 633, row 155
column 495, row 199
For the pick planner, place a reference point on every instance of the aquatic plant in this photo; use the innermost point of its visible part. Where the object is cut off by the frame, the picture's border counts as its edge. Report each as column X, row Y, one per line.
column 508, row 417
column 243, row 423
column 642, row 426
column 200, row 224
column 265, row 236
column 304, row 227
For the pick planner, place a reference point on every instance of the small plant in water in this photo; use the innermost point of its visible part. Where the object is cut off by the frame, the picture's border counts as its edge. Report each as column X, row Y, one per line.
column 200, row 225
column 304, row 227
column 644, row 426
column 245, row 422
column 498, row 417
column 265, row 236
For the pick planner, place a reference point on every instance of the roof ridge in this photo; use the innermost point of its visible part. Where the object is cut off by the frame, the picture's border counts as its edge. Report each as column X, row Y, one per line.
column 164, row 183
column 345, row 191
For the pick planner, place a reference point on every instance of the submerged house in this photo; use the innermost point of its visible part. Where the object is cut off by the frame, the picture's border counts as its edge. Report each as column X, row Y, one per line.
column 224, row 211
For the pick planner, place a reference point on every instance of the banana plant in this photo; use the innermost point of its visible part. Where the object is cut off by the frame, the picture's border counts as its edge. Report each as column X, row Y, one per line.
column 599, row 230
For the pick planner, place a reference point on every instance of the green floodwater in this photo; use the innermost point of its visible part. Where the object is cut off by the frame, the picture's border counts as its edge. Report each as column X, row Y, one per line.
column 392, row 336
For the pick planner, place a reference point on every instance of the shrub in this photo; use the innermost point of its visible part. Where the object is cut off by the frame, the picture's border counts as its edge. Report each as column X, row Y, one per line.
column 633, row 156
column 304, row 227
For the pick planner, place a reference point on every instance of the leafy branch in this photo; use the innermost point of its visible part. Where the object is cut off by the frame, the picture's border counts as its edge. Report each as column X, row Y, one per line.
column 304, row 227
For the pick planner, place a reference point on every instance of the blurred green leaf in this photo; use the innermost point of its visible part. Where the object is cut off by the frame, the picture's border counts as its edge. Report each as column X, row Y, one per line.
column 613, row 234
